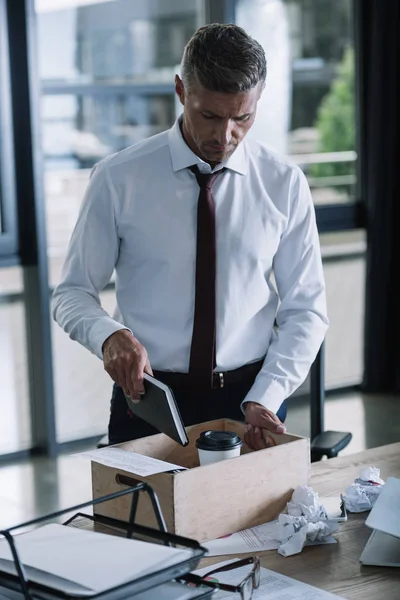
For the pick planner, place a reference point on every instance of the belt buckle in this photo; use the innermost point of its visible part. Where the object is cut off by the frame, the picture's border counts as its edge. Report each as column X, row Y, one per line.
column 221, row 379
column 218, row 380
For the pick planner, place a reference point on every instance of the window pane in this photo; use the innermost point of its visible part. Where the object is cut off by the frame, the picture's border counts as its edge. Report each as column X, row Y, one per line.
column 15, row 426
column 113, row 41
column 307, row 109
column 108, row 48
column 344, row 269
column 82, row 387
column 107, row 72
column 77, row 132
column 80, row 130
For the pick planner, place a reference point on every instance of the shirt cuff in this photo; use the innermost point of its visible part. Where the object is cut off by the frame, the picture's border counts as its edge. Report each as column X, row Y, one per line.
column 102, row 330
column 269, row 394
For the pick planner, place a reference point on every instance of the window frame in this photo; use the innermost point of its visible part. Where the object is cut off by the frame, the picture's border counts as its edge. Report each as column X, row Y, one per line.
column 8, row 200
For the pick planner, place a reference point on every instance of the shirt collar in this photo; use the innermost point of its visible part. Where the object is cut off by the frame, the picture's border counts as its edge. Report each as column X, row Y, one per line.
column 183, row 157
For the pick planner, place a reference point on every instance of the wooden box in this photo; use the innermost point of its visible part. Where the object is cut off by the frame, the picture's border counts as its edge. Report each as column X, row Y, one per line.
column 206, row 502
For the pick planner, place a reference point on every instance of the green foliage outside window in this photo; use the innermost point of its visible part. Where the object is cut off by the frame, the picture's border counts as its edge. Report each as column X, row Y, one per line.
column 336, row 120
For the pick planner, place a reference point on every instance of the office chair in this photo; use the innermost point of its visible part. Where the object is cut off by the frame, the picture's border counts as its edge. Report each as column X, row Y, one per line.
column 323, row 443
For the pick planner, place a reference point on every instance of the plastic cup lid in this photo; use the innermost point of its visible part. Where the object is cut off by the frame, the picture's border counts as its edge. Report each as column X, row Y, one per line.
column 218, row 440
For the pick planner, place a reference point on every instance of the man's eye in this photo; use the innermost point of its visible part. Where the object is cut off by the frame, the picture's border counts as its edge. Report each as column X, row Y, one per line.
column 208, row 116
column 243, row 119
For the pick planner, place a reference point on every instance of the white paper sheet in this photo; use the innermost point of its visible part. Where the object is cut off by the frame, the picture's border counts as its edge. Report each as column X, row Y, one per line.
column 129, row 461
column 83, row 562
column 273, row 586
column 260, row 538
column 257, row 538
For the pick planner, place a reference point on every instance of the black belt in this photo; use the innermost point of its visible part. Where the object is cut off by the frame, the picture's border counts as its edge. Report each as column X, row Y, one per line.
column 220, row 379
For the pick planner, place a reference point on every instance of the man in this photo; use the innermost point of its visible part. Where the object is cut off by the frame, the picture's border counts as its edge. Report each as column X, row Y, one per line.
column 213, row 239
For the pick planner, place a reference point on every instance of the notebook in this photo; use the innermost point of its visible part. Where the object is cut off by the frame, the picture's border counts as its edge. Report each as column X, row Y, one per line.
column 84, row 563
column 158, row 407
column 383, row 546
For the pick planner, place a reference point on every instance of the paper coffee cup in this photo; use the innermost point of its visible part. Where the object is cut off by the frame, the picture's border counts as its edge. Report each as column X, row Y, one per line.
column 214, row 446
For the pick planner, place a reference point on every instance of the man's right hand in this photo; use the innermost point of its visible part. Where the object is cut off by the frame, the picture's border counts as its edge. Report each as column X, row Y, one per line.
column 125, row 360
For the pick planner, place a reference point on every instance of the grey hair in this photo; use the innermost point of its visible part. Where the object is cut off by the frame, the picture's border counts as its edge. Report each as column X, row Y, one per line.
column 223, row 58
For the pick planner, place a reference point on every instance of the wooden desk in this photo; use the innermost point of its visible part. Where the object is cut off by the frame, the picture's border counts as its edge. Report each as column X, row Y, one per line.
column 336, row 567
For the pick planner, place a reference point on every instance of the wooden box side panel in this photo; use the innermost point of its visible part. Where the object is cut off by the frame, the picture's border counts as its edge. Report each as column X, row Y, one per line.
column 164, row 448
column 239, row 428
column 106, row 480
column 236, row 494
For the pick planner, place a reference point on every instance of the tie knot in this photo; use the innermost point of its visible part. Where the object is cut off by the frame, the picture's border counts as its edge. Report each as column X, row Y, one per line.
column 205, row 180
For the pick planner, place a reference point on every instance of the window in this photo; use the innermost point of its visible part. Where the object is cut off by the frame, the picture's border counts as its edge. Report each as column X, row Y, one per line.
column 308, row 108
column 107, row 76
column 307, row 112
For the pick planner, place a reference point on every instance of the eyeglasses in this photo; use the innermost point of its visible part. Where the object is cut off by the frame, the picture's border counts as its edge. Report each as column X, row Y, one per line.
column 246, row 588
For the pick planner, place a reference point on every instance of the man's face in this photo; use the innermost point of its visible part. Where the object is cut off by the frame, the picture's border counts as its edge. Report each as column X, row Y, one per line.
column 214, row 123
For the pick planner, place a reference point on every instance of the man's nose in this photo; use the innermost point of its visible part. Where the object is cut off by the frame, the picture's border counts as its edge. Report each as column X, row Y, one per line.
column 223, row 133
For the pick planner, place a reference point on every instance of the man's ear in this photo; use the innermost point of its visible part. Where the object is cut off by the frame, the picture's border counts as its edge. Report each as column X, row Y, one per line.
column 179, row 89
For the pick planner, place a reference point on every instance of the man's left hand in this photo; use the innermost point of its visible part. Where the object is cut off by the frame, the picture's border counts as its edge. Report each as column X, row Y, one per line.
column 260, row 423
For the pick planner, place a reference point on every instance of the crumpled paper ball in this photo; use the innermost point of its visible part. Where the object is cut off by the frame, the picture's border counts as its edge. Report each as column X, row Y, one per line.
column 306, row 502
column 361, row 495
column 306, row 521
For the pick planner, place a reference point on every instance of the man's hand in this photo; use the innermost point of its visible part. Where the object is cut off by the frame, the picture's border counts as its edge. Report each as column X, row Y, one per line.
column 125, row 360
column 260, row 421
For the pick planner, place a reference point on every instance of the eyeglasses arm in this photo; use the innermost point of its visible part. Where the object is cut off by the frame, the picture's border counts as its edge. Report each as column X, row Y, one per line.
column 235, row 565
column 225, row 587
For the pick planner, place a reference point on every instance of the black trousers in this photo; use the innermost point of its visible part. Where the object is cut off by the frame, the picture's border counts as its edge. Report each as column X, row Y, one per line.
column 196, row 406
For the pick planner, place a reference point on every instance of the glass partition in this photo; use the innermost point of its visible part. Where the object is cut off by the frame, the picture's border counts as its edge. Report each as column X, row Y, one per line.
column 107, row 77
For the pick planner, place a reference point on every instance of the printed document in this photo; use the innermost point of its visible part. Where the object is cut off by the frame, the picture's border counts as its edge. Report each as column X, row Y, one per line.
column 255, row 539
column 129, row 461
column 273, row 586
column 258, row 539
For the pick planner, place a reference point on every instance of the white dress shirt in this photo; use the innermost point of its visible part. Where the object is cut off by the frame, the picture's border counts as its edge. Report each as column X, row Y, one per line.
column 139, row 217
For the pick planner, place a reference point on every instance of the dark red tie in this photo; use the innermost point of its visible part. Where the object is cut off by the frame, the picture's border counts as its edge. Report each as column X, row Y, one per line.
column 202, row 352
